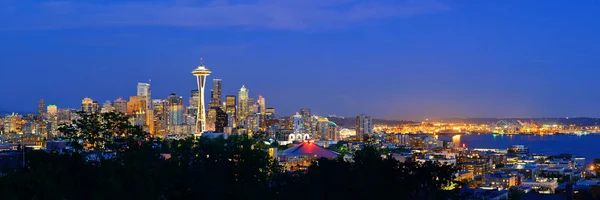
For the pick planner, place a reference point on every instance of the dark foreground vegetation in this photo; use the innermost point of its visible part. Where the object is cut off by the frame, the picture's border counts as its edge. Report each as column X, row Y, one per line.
column 112, row 160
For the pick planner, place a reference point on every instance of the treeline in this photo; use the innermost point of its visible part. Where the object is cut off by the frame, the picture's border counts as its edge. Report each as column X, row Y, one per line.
column 134, row 166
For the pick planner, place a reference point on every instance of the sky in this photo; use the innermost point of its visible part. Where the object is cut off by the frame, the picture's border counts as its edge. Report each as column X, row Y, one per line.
column 394, row 59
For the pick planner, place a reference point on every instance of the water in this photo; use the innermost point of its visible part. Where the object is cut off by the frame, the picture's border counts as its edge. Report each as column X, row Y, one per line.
column 586, row 146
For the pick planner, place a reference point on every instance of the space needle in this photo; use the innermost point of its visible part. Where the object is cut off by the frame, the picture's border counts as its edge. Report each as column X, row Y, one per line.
column 201, row 73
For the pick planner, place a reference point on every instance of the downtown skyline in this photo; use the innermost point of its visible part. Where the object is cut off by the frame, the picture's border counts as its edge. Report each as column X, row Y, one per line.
column 445, row 59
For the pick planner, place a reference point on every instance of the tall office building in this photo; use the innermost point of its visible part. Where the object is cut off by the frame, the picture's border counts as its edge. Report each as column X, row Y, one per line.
column 95, row 107
column 120, row 105
column 143, row 89
column 174, row 107
column 262, row 110
column 211, row 118
column 160, row 116
column 230, row 101
column 215, row 95
column 364, row 126
column 137, row 107
column 52, row 117
column 201, row 72
column 221, row 120
column 322, row 128
column 52, row 110
column 86, row 105
column 107, row 107
column 297, row 124
column 41, row 109
column 194, row 98
column 243, row 109
column 305, row 112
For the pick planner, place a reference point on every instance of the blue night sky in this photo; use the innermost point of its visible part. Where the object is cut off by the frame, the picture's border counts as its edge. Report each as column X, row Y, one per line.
column 392, row 58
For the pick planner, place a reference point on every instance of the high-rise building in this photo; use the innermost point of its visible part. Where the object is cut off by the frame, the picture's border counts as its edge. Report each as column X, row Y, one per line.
column 201, row 72
column 160, row 116
column 230, row 101
column 305, row 112
column 211, row 118
column 95, row 107
column 174, row 107
column 86, row 105
column 136, row 108
column 52, row 110
column 143, row 89
column 194, row 98
column 221, row 120
column 120, row 105
column 364, row 126
column 41, row 109
column 215, row 95
column 243, row 109
column 298, row 124
column 107, row 107
column 322, row 128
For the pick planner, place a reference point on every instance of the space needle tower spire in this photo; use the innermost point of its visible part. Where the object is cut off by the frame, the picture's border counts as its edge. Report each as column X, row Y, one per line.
column 201, row 72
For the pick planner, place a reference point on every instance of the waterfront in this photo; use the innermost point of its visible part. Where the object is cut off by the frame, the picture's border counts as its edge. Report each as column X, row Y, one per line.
column 546, row 144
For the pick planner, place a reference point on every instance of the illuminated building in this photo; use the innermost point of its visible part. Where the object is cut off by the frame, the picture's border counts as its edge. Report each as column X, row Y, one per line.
column 263, row 110
column 41, row 109
column 243, row 105
column 194, row 98
column 300, row 157
column 305, row 113
column 86, row 105
column 364, row 126
column 120, row 105
column 221, row 120
column 107, row 107
column 322, row 128
column 211, row 118
column 201, row 73
column 137, row 107
column 333, row 131
column 143, row 90
column 174, row 108
column 160, row 116
column 52, row 110
column 230, row 106
column 298, row 133
column 215, row 94
column 95, row 107
column 500, row 180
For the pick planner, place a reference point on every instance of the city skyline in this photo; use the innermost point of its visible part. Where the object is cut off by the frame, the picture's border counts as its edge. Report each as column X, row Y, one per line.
column 421, row 59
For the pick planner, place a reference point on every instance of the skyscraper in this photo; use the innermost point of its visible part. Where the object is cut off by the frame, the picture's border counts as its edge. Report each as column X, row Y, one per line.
column 215, row 94
column 230, row 101
column 174, row 107
column 52, row 110
column 262, row 110
column 41, row 109
column 143, row 89
column 194, row 98
column 137, row 107
column 86, row 105
column 120, row 105
column 201, row 73
column 221, row 120
column 95, row 107
column 107, row 107
column 305, row 112
column 243, row 109
column 364, row 126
